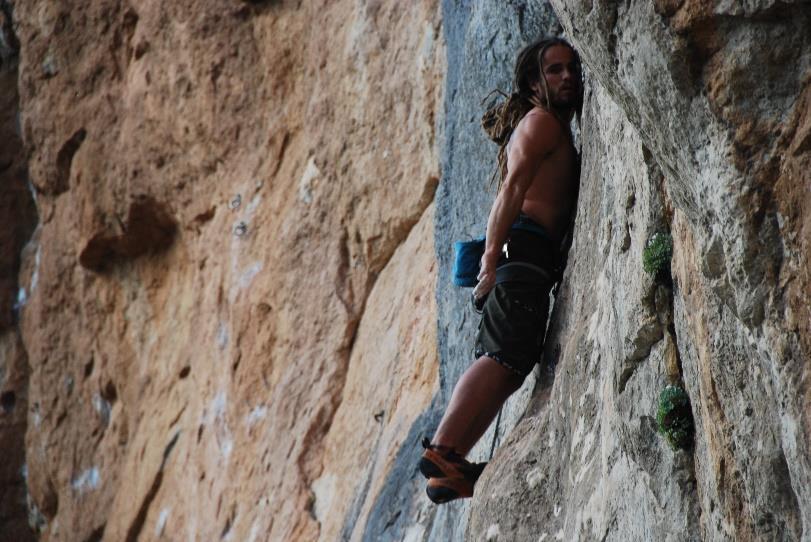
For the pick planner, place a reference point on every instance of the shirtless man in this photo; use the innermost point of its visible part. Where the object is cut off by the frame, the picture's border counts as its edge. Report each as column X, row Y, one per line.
column 532, row 214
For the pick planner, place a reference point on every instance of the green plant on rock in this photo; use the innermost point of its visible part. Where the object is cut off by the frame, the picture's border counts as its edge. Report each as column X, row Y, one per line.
column 675, row 418
column 656, row 256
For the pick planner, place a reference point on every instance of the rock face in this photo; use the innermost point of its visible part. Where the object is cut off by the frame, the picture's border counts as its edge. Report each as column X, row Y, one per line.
column 230, row 194
column 237, row 320
column 696, row 124
column 587, row 458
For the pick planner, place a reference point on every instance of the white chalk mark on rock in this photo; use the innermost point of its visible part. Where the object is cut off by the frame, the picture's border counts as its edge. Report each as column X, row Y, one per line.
column 251, row 209
column 218, row 405
column 534, row 478
column 415, row 533
column 255, row 415
column 323, row 491
column 493, row 532
column 161, row 523
column 227, row 446
column 35, row 274
column 223, row 433
column 33, row 191
column 308, row 179
column 244, row 280
column 254, row 534
column 248, row 275
column 22, row 298
column 86, row 481
column 102, row 406
column 222, row 336
column 23, row 295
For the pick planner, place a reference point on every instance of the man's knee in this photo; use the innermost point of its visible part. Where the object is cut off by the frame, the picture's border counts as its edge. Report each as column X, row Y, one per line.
column 512, row 379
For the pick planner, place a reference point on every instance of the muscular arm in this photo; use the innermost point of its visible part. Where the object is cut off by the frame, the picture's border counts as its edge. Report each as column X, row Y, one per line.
column 535, row 137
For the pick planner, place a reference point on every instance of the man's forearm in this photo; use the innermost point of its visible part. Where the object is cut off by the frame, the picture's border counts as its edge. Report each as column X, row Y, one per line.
column 502, row 215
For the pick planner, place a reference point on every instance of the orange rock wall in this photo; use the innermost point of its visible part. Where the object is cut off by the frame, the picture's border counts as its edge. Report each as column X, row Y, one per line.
column 235, row 268
column 234, row 319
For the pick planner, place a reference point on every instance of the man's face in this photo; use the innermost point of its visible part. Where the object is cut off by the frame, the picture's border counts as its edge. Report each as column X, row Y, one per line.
column 560, row 70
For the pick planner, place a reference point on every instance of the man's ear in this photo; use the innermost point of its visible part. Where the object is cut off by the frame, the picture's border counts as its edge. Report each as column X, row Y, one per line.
column 536, row 86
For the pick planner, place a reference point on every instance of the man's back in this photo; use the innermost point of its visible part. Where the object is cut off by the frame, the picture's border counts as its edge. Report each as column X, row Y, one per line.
column 549, row 200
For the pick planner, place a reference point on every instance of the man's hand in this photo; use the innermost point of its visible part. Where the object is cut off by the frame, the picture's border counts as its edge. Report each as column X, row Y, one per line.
column 486, row 278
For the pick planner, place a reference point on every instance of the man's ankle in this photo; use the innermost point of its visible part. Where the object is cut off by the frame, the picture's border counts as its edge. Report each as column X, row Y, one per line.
column 442, row 449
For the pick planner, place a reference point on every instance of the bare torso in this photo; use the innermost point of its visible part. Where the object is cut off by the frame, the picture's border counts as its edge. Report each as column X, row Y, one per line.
column 550, row 199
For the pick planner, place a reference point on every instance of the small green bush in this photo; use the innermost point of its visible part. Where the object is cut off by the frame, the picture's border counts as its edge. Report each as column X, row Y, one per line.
column 675, row 418
column 656, row 256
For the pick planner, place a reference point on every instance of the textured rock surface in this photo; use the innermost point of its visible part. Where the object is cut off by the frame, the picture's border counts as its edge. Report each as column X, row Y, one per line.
column 391, row 379
column 586, row 461
column 696, row 123
column 221, row 186
column 237, row 312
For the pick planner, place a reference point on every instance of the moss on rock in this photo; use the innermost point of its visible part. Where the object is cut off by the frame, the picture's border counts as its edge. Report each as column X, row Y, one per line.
column 656, row 256
column 675, row 418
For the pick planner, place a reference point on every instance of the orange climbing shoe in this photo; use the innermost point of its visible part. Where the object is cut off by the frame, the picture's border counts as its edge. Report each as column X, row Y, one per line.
column 450, row 476
column 442, row 490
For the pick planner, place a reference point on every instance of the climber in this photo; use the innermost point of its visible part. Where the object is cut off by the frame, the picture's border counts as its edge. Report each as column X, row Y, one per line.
column 528, row 233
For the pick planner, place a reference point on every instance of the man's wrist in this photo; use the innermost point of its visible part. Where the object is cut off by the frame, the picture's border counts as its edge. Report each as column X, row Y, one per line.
column 491, row 256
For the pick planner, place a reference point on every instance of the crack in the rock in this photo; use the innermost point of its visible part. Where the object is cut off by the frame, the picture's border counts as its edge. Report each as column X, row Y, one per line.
column 646, row 338
column 409, row 226
column 97, row 535
column 138, row 523
column 64, row 161
column 326, row 415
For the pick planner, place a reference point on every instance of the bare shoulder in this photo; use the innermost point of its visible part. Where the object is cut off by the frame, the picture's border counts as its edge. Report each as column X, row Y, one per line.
column 538, row 131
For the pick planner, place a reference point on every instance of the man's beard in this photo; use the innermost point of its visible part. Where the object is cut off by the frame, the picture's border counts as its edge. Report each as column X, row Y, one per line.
column 564, row 102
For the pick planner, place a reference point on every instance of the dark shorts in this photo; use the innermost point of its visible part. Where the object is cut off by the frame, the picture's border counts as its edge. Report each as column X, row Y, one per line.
column 513, row 325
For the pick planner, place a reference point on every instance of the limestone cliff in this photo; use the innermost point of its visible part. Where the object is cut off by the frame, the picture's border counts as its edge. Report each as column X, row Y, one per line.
column 231, row 197
column 697, row 124
column 226, row 312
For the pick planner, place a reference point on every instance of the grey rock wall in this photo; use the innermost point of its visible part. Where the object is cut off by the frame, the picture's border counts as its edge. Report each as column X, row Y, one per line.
column 586, row 462
column 697, row 123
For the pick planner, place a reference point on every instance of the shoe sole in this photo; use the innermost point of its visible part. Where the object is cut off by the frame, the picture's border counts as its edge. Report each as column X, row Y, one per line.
column 443, row 490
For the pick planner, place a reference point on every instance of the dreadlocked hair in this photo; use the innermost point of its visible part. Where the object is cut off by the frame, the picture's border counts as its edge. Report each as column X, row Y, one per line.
column 500, row 120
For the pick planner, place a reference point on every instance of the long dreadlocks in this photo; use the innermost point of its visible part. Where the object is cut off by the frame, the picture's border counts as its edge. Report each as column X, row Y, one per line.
column 500, row 120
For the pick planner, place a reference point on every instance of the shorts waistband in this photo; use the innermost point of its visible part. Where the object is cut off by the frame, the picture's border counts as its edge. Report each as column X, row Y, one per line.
column 524, row 223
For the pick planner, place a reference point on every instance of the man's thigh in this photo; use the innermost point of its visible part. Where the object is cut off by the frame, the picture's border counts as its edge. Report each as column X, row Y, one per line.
column 513, row 325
